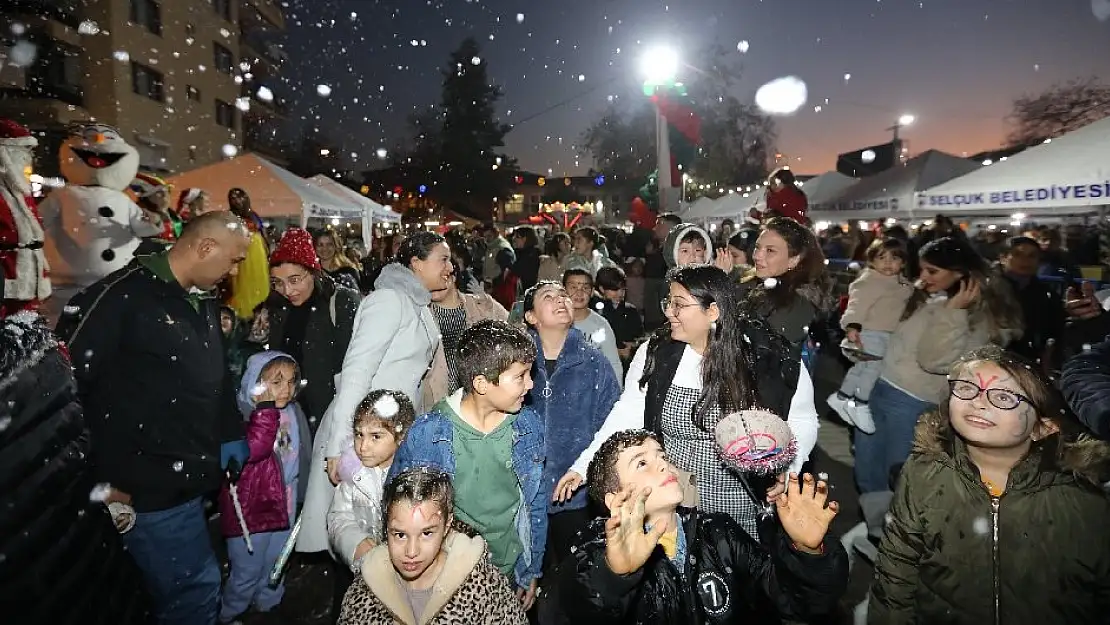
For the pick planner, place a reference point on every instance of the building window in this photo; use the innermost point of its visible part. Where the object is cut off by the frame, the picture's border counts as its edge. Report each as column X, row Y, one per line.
column 55, row 74
column 225, row 114
column 154, row 155
column 223, row 8
column 224, row 61
column 148, row 14
column 147, row 82
column 192, row 93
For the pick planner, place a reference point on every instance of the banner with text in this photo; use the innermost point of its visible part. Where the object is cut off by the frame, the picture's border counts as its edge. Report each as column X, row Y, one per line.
column 1089, row 194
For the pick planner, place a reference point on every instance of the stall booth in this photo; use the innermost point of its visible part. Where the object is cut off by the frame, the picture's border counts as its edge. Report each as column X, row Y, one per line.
column 892, row 193
column 364, row 209
column 1068, row 175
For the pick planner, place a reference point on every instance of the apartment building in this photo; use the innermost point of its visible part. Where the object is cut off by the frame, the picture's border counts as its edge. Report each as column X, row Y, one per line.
column 181, row 79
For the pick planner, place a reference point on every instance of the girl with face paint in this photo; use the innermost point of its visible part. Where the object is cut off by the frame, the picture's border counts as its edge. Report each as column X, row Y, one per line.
column 1000, row 500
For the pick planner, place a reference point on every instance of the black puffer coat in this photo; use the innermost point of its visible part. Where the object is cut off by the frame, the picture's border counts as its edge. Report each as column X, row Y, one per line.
column 727, row 579
column 61, row 559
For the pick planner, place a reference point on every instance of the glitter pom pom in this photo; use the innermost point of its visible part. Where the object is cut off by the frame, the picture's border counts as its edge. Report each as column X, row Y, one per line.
column 770, row 283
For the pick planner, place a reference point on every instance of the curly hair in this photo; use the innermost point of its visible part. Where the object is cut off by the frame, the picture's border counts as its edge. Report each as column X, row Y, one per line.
column 418, row 485
column 602, row 477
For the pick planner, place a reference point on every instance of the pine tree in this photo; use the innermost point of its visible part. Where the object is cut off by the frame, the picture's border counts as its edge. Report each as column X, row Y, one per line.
column 458, row 146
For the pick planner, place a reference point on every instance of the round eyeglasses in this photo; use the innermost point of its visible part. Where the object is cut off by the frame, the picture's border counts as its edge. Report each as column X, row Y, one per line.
column 1001, row 398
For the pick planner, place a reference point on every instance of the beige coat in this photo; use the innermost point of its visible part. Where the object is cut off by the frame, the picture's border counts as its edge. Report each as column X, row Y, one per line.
column 876, row 302
column 923, row 347
column 434, row 388
column 468, row 590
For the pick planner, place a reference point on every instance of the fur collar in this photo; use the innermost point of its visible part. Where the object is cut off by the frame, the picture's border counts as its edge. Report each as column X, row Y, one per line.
column 24, row 340
column 463, row 554
column 1058, row 457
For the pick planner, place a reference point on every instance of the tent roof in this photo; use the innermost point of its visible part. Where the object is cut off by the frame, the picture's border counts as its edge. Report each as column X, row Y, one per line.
column 892, row 192
column 334, row 187
column 821, row 189
column 274, row 192
column 1079, row 158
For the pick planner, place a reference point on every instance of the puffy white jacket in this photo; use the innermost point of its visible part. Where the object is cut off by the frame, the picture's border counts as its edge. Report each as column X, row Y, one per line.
column 356, row 513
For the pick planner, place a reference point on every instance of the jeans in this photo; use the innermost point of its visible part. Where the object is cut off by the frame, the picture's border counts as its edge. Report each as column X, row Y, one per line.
column 173, row 550
column 249, row 581
column 861, row 378
column 895, row 414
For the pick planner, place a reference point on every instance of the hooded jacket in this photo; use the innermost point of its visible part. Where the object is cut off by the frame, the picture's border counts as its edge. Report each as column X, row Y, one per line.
column 262, row 488
column 726, row 578
column 953, row 555
column 391, row 347
column 469, row 590
column 61, row 559
column 674, row 241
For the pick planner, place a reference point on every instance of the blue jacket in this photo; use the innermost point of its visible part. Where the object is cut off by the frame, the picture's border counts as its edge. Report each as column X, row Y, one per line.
column 430, row 443
column 574, row 402
column 1085, row 383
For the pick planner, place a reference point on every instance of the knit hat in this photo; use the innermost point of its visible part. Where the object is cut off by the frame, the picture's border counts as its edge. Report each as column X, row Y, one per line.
column 296, row 247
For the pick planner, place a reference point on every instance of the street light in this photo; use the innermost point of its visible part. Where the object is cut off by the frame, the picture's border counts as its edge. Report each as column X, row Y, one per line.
column 659, row 66
column 896, row 143
column 906, row 120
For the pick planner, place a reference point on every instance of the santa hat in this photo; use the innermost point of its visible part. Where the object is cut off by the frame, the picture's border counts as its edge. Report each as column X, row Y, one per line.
column 12, row 134
column 296, row 247
column 146, row 185
column 188, row 196
column 14, row 138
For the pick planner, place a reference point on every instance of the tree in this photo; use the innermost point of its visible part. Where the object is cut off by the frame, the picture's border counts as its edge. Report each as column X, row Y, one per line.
column 1059, row 110
column 737, row 140
column 457, row 142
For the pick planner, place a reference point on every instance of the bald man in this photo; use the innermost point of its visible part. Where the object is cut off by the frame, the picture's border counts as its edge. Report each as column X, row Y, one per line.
column 147, row 354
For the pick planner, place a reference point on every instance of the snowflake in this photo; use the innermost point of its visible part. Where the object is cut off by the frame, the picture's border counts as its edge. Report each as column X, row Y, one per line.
column 598, row 337
column 770, row 283
column 100, row 492
column 981, row 526
column 387, row 407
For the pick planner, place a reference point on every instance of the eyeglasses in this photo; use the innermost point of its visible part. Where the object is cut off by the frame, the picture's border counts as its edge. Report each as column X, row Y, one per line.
column 669, row 303
column 294, row 281
column 1001, row 398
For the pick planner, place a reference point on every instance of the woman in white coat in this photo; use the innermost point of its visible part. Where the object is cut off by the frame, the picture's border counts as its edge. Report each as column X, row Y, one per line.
column 394, row 339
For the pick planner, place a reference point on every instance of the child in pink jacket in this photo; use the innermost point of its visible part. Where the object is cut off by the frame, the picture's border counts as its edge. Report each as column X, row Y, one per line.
column 267, row 486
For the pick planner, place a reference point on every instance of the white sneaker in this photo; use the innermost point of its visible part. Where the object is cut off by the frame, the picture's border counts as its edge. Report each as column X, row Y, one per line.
column 840, row 405
column 861, row 415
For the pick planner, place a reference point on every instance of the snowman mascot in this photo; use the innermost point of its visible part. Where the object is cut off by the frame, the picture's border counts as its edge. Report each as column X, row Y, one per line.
column 92, row 226
column 25, row 284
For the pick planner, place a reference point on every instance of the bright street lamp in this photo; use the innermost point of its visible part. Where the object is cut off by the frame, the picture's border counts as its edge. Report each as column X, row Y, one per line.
column 659, row 65
column 906, row 120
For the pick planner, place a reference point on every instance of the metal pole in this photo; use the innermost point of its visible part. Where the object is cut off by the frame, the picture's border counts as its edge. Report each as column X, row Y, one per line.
column 663, row 158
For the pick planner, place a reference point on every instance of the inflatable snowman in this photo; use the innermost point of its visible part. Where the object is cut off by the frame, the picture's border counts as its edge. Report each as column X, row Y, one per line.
column 92, row 226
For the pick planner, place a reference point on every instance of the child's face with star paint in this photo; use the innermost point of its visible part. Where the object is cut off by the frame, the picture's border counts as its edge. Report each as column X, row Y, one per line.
column 415, row 532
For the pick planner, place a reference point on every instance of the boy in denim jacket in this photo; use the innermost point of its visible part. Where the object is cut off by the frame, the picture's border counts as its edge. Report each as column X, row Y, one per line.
column 493, row 449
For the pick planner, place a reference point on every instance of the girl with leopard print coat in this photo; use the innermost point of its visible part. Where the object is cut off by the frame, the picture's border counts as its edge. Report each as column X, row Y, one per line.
column 426, row 571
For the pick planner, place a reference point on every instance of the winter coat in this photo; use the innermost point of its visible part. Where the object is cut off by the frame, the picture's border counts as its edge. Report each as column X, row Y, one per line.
column 327, row 334
column 261, row 487
column 787, row 202
column 356, row 513
column 24, row 281
column 149, row 361
column 429, row 443
column 1085, row 382
column 469, row 590
column 674, row 241
column 392, row 344
column 924, row 346
column 727, row 579
column 435, row 386
column 953, row 555
column 792, row 320
column 574, row 403
column 497, row 254
column 527, row 266
column 876, row 301
column 1044, row 315
column 61, row 558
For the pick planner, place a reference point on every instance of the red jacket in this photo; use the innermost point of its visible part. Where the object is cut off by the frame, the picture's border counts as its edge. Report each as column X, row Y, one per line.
column 261, row 488
column 787, row 202
column 22, row 263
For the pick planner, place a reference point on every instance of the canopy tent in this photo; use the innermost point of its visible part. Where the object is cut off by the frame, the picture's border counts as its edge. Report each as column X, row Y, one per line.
column 736, row 205
column 822, row 190
column 274, row 192
column 377, row 211
column 1066, row 175
column 892, row 193
column 699, row 208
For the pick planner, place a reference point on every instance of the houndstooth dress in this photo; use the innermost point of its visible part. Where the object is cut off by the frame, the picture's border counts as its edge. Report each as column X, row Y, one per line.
column 690, row 449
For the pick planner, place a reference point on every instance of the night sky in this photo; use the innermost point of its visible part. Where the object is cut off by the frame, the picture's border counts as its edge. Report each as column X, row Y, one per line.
column 955, row 64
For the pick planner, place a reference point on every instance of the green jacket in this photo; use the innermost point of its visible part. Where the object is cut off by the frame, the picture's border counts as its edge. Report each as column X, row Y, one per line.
column 1037, row 555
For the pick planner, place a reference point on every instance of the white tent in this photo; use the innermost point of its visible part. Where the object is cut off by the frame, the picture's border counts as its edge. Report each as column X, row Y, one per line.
column 736, row 205
column 892, row 193
column 1066, row 175
column 379, row 212
column 699, row 208
column 274, row 192
column 823, row 189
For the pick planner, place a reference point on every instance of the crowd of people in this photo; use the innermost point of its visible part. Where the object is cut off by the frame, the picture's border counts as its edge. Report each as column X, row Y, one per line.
column 512, row 428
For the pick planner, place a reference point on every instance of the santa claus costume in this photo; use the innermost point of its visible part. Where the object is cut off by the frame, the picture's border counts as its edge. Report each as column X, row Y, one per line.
column 21, row 236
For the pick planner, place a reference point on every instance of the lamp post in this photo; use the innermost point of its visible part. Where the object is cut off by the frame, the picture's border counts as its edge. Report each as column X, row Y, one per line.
column 896, row 142
column 660, row 67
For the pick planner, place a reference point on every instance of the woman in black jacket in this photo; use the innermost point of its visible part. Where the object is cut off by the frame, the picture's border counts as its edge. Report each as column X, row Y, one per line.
column 61, row 558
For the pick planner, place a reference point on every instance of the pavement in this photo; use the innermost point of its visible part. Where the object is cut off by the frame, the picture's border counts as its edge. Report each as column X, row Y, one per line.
column 309, row 583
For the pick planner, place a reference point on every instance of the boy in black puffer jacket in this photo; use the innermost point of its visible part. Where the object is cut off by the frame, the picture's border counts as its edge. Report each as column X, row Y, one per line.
column 654, row 562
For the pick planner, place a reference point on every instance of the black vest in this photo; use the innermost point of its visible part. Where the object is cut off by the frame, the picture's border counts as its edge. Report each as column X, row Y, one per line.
column 772, row 370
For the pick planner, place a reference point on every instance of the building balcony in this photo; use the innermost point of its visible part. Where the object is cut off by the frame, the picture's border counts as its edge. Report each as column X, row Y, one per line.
column 66, row 94
column 257, row 46
column 268, row 9
column 275, row 106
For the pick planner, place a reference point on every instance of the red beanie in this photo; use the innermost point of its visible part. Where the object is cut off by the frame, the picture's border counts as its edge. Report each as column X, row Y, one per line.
column 296, row 247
